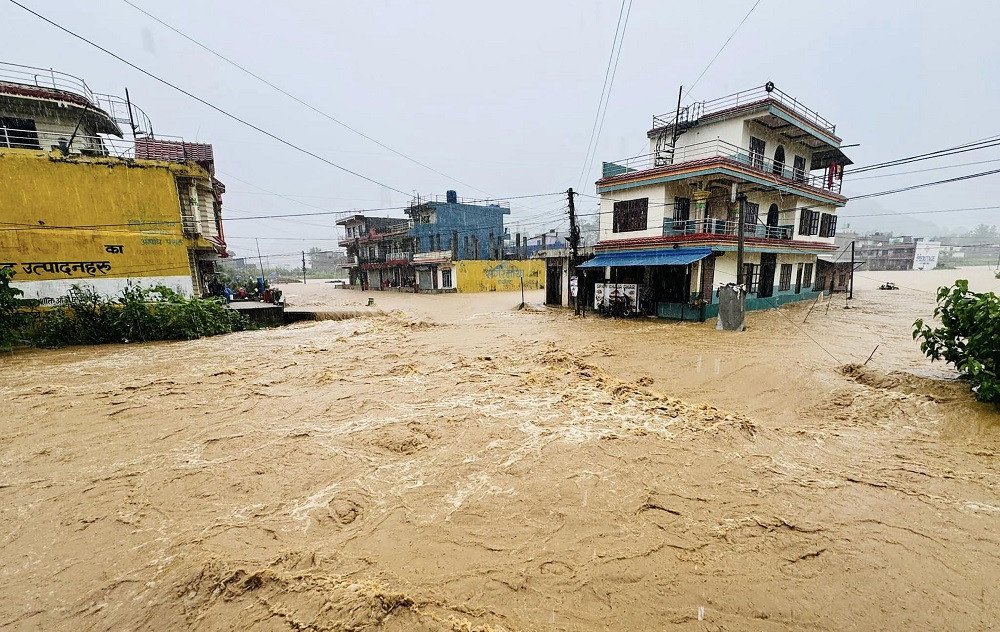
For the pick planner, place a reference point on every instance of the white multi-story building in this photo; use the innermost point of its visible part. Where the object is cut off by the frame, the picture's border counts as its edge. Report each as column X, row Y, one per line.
column 668, row 222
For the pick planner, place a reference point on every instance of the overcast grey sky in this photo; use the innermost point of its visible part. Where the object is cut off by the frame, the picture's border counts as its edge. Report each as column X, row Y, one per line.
column 502, row 95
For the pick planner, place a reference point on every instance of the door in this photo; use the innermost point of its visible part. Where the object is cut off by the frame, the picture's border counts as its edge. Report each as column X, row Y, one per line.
column 798, row 279
column 707, row 277
column 772, row 215
column 778, row 164
column 768, row 262
column 446, row 278
column 553, row 283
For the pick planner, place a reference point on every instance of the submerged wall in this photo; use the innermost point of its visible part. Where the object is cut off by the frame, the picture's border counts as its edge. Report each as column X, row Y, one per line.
column 92, row 221
column 500, row 276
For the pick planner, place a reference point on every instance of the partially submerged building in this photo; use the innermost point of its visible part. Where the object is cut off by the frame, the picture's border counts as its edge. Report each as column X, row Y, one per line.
column 92, row 197
column 669, row 222
column 424, row 252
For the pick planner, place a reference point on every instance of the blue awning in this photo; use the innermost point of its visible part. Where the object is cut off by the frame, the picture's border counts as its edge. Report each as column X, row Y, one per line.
column 659, row 257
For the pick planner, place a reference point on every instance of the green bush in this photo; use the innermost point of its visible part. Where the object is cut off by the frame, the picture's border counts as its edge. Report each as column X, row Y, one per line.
column 11, row 317
column 969, row 337
column 137, row 315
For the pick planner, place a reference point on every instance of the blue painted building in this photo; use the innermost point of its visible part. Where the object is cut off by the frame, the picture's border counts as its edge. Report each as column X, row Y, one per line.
column 468, row 231
column 419, row 252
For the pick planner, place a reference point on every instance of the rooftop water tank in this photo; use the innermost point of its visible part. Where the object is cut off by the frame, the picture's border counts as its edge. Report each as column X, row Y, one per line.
column 451, row 197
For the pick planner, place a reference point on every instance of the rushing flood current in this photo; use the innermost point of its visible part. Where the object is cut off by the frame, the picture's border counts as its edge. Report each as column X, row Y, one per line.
column 452, row 463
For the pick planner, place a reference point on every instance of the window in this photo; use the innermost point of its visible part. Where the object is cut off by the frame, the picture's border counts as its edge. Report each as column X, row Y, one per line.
column 799, row 170
column 446, row 278
column 828, row 225
column 750, row 276
column 751, row 214
column 756, row 153
column 809, row 222
column 785, row 277
column 682, row 209
column 778, row 164
column 18, row 133
column 807, row 275
column 630, row 215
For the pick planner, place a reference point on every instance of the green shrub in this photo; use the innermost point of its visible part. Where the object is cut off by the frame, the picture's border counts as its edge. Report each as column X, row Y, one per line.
column 969, row 337
column 11, row 317
column 137, row 315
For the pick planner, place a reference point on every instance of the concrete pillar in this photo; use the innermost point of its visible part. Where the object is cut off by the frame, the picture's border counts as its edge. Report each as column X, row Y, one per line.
column 700, row 204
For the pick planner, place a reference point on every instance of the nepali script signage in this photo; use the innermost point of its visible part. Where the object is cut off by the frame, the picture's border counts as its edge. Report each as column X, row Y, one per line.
column 504, row 271
column 90, row 268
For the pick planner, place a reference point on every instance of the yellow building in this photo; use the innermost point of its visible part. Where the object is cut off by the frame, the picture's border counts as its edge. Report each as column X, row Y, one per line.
column 79, row 205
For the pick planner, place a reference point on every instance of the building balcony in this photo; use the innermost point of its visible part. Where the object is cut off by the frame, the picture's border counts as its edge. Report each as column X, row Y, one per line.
column 391, row 258
column 711, row 226
column 694, row 159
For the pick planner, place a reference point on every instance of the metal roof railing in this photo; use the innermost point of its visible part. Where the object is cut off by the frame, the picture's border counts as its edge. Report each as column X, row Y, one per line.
column 766, row 92
column 46, row 78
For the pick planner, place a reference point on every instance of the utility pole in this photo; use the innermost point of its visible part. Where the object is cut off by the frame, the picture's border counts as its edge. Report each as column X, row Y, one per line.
column 851, row 293
column 362, row 275
column 574, row 240
column 260, row 259
column 742, row 198
column 303, row 267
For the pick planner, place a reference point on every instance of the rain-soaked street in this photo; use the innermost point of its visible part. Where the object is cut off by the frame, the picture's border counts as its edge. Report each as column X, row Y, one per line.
column 450, row 462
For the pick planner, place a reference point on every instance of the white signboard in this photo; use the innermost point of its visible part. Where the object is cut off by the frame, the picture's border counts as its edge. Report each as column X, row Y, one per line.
column 925, row 257
column 600, row 294
column 573, row 286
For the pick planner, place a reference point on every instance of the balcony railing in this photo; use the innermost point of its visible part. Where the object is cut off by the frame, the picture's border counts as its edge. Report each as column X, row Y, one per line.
column 46, row 78
column 47, row 141
column 753, row 95
column 712, row 226
column 721, row 149
column 423, row 199
column 384, row 257
column 101, row 145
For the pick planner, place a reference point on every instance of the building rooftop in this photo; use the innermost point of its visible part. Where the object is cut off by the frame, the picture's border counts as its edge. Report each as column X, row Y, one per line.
column 779, row 111
column 107, row 117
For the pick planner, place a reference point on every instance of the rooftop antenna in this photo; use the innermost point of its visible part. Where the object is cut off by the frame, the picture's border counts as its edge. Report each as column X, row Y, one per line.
column 131, row 120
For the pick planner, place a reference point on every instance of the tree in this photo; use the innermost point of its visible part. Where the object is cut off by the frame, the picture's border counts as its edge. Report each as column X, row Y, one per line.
column 985, row 232
column 969, row 337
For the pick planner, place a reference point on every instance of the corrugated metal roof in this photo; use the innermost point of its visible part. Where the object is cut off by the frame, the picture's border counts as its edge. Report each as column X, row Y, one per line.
column 661, row 257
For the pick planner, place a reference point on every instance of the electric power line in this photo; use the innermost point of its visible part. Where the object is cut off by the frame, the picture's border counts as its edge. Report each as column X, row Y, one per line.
column 605, row 89
column 205, row 102
column 297, row 99
column 719, row 52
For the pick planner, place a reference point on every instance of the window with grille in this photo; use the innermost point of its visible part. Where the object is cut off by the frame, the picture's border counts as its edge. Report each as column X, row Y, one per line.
column 813, row 222
column 630, row 215
column 799, row 168
column 751, row 276
column 756, row 152
column 751, row 215
column 785, row 277
column 807, row 275
column 18, row 133
column 682, row 209
column 828, row 225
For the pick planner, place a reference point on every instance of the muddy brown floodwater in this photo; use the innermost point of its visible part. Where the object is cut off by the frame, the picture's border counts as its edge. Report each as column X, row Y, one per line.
column 451, row 463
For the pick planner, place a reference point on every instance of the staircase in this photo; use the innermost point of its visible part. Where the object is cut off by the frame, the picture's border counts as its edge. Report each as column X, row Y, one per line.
column 685, row 118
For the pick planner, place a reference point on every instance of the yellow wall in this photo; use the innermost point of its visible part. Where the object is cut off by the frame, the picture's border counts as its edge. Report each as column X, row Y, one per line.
column 40, row 190
column 499, row 276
